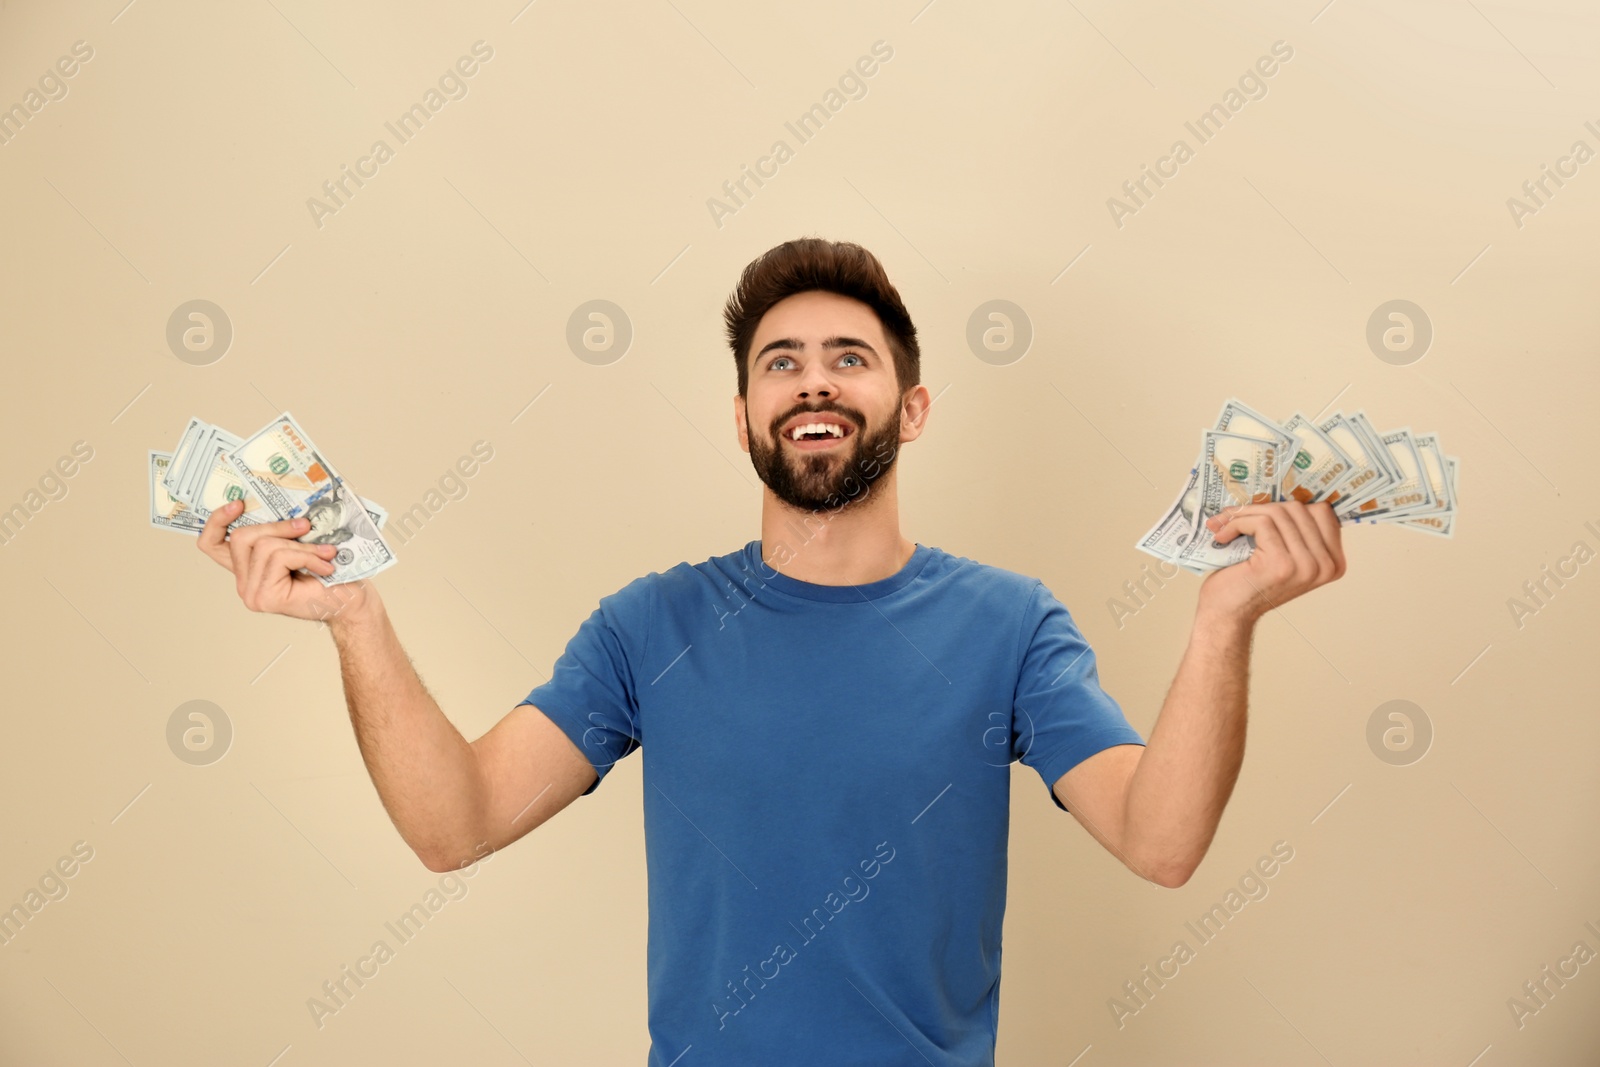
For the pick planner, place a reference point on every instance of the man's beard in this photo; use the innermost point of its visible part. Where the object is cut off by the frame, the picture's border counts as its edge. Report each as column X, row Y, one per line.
column 831, row 478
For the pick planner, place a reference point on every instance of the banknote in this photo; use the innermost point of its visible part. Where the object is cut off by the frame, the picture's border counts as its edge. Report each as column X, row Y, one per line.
column 1411, row 492
column 1166, row 538
column 1235, row 469
column 219, row 483
column 223, row 484
column 1396, row 477
column 180, row 454
column 1439, row 523
column 1367, row 474
column 1433, row 472
column 167, row 513
column 1319, row 465
column 338, row 515
column 1362, row 502
column 1440, row 471
column 282, row 465
column 1237, row 417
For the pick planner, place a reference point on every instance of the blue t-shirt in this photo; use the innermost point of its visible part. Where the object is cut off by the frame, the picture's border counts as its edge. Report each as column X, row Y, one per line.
column 827, row 795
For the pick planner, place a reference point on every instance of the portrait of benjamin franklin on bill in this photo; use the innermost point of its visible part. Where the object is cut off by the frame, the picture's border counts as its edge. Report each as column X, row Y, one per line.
column 330, row 518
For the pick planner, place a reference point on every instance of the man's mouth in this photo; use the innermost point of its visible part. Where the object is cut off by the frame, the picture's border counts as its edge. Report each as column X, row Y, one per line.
column 817, row 436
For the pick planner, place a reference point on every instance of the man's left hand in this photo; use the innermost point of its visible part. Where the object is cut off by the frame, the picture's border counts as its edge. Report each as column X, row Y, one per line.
column 1297, row 549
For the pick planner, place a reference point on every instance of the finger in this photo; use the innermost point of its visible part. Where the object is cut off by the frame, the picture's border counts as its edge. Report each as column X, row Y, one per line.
column 213, row 535
column 274, row 562
column 1256, row 521
column 1219, row 522
column 1302, row 565
column 1322, row 566
column 1277, row 536
column 1322, row 514
column 273, row 559
column 242, row 540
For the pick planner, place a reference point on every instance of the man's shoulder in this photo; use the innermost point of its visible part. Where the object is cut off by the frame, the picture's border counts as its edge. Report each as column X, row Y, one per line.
column 968, row 574
column 681, row 577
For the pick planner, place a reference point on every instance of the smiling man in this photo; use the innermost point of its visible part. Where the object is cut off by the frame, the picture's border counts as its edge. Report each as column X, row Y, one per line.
column 827, row 716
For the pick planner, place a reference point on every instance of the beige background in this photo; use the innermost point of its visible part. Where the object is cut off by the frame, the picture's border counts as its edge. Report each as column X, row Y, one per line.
column 432, row 309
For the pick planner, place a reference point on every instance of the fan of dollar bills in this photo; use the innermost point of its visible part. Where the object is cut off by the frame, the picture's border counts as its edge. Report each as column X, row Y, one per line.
column 1247, row 458
column 279, row 474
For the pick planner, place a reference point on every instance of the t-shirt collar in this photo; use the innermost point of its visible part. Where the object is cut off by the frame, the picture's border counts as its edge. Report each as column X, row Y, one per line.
column 838, row 594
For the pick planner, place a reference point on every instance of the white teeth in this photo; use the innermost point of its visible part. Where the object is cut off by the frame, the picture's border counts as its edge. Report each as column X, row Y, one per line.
column 815, row 427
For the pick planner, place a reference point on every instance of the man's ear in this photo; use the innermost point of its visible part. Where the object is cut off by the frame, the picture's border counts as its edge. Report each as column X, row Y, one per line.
column 915, row 406
column 739, row 422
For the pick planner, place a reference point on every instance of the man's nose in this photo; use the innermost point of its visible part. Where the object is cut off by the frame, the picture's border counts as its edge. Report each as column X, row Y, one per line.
column 814, row 381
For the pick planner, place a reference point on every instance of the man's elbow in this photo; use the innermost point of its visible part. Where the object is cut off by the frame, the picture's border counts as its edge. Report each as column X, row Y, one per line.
column 1173, row 878
column 447, row 859
column 435, row 862
column 1166, row 874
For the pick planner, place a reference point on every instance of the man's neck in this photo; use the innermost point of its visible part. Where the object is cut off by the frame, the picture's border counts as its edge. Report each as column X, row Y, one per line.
column 853, row 545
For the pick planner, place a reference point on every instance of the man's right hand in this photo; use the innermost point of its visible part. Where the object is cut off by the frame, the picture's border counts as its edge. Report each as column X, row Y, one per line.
column 264, row 560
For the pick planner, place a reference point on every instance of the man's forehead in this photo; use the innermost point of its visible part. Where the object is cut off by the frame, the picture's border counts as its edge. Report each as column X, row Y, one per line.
column 815, row 326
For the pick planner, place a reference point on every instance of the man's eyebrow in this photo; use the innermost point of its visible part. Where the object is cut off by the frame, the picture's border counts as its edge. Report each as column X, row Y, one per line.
column 828, row 342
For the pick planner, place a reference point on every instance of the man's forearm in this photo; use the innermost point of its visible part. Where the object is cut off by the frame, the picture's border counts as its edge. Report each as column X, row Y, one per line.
column 426, row 773
column 1192, row 757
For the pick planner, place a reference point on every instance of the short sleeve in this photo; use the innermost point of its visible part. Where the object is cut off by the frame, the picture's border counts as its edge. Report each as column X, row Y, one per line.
column 1060, row 715
column 591, row 694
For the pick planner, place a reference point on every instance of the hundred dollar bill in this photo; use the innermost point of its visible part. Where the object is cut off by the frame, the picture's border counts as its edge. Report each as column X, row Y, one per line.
column 165, row 512
column 1441, row 474
column 1361, row 503
column 181, row 452
column 1427, row 523
column 1239, row 418
column 1234, row 469
column 221, row 483
column 1168, row 536
column 189, row 463
column 1368, row 473
column 1364, row 424
column 286, row 469
column 1431, row 463
column 1319, row 465
column 1400, row 478
column 193, row 474
column 1412, row 492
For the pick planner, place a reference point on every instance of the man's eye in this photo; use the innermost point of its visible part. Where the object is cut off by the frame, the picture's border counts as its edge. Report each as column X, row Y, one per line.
column 783, row 359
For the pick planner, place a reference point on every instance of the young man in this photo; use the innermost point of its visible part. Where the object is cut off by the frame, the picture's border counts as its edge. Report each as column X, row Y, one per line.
column 827, row 716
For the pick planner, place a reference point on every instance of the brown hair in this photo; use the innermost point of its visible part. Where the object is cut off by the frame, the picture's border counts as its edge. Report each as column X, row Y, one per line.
column 810, row 263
